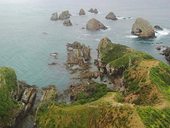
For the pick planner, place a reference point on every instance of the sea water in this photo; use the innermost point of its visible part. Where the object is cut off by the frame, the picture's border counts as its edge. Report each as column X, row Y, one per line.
column 27, row 36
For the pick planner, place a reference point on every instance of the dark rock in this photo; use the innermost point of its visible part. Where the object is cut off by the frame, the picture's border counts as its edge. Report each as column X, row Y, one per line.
column 111, row 16
column 95, row 11
column 143, row 29
column 94, row 25
column 67, row 23
column 82, row 12
column 64, row 15
column 54, row 16
column 156, row 27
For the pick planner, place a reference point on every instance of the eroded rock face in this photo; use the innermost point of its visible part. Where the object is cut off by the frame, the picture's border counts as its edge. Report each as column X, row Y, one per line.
column 95, row 11
column 94, row 25
column 143, row 29
column 67, row 23
column 64, row 15
column 82, row 12
column 111, row 16
column 78, row 54
column 54, row 16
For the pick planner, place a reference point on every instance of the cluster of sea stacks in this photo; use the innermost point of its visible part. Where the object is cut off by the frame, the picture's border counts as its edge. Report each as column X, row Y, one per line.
column 141, row 28
column 93, row 24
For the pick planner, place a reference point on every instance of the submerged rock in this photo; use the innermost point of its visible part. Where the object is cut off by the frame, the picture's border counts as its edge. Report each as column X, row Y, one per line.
column 111, row 16
column 157, row 27
column 82, row 12
column 54, row 16
column 67, row 23
column 64, row 15
column 143, row 29
column 94, row 25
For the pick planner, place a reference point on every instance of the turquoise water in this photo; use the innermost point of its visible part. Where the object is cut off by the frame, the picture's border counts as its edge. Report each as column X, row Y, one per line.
column 25, row 47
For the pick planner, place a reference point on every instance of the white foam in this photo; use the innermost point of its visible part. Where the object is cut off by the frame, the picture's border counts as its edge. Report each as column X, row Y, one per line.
column 163, row 32
column 131, row 36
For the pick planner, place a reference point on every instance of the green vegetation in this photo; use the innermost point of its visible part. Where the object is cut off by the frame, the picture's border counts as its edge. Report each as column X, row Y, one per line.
column 93, row 92
column 8, row 106
column 147, row 87
column 160, row 76
column 102, row 113
column 154, row 118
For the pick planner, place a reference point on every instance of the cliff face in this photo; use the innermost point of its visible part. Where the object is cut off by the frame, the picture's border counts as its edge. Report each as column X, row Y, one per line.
column 8, row 91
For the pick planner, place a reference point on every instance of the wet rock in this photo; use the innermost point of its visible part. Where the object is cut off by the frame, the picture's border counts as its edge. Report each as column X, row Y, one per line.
column 111, row 16
column 82, row 12
column 64, row 15
column 67, row 23
column 54, row 16
column 143, row 29
column 166, row 53
column 157, row 27
column 95, row 11
column 94, row 25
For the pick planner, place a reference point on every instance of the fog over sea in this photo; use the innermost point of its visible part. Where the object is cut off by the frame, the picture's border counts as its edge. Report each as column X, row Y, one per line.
column 27, row 36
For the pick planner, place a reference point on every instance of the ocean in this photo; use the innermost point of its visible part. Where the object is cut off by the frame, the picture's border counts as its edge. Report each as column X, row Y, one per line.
column 27, row 36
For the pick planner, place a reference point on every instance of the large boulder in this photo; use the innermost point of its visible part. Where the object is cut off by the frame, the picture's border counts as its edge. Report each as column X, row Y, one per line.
column 111, row 16
column 94, row 25
column 54, row 16
column 143, row 29
column 67, row 23
column 64, row 15
column 82, row 12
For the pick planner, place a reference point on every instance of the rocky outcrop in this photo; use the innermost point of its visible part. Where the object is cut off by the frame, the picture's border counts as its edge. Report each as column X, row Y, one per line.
column 143, row 29
column 64, row 15
column 111, row 16
column 67, row 23
column 166, row 53
column 54, row 16
column 82, row 12
column 49, row 93
column 157, row 27
column 164, row 50
column 94, row 25
column 89, row 75
column 78, row 54
column 95, row 11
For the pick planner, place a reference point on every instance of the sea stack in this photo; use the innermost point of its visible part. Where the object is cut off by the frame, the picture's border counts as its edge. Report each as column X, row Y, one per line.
column 95, row 11
column 94, row 25
column 67, row 23
column 82, row 12
column 111, row 16
column 143, row 29
column 64, row 15
column 54, row 16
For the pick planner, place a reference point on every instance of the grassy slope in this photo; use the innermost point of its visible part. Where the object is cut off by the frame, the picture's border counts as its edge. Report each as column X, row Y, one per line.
column 103, row 113
column 147, row 86
column 8, row 106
